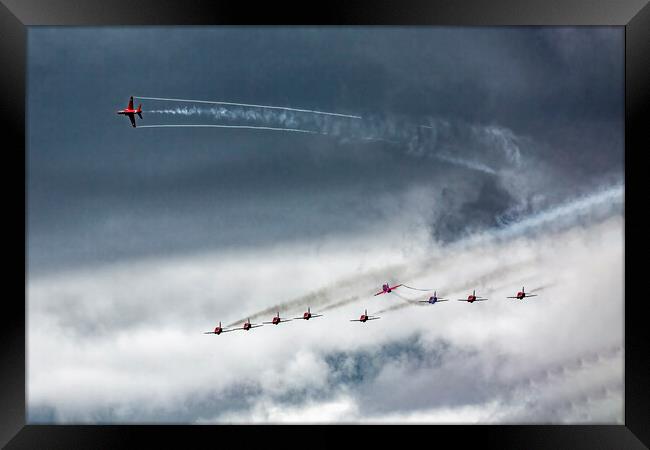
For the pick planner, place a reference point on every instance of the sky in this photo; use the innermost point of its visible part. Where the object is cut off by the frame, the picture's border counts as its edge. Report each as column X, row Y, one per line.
column 450, row 159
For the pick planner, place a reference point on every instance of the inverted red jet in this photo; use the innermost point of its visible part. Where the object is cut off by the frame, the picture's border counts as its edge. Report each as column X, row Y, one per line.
column 387, row 289
column 308, row 315
column 522, row 294
column 129, row 111
column 247, row 326
column 218, row 330
column 277, row 320
column 365, row 317
column 472, row 298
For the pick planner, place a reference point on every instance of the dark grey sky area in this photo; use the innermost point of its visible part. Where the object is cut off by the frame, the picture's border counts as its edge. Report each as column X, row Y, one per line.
column 100, row 191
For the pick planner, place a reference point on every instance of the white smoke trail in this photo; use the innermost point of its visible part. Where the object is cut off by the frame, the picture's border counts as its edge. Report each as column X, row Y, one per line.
column 455, row 143
column 603, row 201
column 372, row 131
column 466, row 163
column 312, row 111
column 250, row 127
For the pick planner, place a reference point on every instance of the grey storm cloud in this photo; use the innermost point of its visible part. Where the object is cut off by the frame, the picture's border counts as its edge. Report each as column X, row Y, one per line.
column 535, row 103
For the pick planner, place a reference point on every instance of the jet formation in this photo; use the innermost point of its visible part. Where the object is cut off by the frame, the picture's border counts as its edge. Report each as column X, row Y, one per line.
column 386, row 288
column 365, row 317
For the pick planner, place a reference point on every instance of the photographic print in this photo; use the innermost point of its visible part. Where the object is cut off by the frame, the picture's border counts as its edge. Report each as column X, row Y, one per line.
column 336, row 225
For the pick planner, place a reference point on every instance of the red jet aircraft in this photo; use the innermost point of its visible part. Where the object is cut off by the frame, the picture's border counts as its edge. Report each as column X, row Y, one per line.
column 308, row 315
column 365, row 317
column 218, row 330
column 129, row 111
column 472, row 298
column 522, row 294
column 277, row 319
column 387, row 289
column 247, row 326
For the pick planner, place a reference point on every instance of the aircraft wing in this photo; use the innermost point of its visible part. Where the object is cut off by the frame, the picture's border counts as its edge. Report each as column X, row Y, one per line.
column 255, row 326
column 531, row 295
column 424, row 301
column 132, row 117
column 232, row 329
column 355, row 320
column 209, row 332
column 443, row 300
column 286, row 320
column 268, row 322
column 373, row 318
column 378, row 293
column 131, row 103
column 395, row 287
column 480, row 299
column 463, row 300
column 514, row 297
column 316, row 315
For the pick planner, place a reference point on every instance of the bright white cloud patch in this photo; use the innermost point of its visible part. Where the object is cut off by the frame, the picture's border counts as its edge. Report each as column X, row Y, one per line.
column 124, row 343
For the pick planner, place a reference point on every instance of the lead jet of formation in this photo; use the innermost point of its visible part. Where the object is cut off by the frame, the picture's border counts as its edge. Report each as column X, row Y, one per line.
column 129, row 111
column 472, row 298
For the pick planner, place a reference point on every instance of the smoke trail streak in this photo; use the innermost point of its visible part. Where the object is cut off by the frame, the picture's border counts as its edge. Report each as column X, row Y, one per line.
column 417, row 289
column 250, row 127
column 468, row 164
column 340, row 303
column 611, row 197
column 249, row 106
column 457, row 143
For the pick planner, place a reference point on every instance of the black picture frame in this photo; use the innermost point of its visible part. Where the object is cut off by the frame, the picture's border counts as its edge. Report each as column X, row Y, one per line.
column 16, row 15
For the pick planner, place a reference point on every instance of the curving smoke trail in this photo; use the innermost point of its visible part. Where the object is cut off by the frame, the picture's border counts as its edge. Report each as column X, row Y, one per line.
column 600, row 203
column 487, row 149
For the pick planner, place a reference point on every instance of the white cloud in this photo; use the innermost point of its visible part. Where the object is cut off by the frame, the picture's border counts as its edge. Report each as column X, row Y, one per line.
column 124, row 343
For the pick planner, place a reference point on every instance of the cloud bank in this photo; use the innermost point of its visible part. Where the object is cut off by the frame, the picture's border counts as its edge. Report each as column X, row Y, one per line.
column 123, row 344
